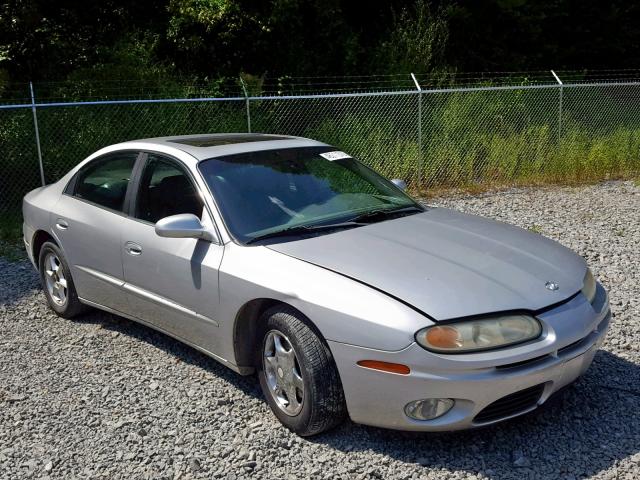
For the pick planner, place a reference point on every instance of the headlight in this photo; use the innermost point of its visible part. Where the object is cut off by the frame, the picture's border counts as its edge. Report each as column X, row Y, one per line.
column 481, row 334
column 589, row 286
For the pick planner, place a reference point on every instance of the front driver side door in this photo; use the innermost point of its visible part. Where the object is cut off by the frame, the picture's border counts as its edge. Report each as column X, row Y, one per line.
column 171, row 283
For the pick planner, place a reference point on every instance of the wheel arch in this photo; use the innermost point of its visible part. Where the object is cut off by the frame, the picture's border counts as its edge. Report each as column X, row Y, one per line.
column 245, row 328
column 39, row 239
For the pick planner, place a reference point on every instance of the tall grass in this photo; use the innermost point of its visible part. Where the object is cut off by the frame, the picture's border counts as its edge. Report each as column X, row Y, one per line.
column 497, row 138
column 533, row 155
column 469, row 139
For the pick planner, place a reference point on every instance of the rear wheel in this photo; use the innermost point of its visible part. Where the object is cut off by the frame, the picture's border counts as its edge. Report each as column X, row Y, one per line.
column 298, row 375
column 57, row 282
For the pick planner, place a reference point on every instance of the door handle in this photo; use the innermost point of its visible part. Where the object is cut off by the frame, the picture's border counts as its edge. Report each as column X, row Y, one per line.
column 61, row 224
column 132, row 248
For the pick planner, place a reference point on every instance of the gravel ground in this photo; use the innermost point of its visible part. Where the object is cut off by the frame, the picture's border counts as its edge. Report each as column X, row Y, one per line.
column 104, row 397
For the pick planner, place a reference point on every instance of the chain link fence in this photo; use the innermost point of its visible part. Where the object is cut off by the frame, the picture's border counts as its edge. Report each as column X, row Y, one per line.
column 432, row 138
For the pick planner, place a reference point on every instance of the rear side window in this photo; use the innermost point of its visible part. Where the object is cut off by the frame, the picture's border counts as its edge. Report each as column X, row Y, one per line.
column 165, row 189
column 105, row 181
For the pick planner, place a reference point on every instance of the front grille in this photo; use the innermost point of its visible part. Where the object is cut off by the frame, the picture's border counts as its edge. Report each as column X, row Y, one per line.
column 510, row 405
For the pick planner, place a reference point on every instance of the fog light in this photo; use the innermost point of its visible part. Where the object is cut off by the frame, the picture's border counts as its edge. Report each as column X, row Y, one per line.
column 429, row 408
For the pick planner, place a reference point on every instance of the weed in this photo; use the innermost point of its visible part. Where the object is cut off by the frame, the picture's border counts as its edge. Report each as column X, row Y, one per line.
column 12, row 251
column 472, row 141
column 10, row 228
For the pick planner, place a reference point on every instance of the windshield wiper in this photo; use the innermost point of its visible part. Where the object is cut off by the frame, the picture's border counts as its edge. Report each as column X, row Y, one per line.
column 302, row 229
column 385, row 213
column 357, row 221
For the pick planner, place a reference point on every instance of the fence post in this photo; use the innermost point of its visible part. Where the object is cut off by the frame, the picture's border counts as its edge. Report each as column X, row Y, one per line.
column 415, row 81
column 246, row 99
column 35, row 124
column 559, row 106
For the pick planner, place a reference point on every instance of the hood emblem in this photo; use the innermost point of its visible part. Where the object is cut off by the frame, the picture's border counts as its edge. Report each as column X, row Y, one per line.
column 553, row 286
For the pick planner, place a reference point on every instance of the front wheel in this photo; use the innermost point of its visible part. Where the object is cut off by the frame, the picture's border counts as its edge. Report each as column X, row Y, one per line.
column 298, row 375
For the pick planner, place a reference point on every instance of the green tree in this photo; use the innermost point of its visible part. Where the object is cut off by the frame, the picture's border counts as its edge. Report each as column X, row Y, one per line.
column 416, row 42
column 41, row 39
column 299, row 37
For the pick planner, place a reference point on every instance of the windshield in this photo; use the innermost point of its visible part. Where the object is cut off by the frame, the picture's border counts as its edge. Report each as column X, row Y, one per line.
column 264, row 192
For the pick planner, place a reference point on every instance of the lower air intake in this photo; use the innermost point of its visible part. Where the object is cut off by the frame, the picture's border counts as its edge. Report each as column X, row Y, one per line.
column 510, row 405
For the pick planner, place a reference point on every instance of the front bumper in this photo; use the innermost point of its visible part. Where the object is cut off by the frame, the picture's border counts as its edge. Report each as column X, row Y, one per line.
column 478, row 382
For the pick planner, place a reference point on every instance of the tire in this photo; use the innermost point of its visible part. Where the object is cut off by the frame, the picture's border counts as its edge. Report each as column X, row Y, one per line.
column 321, row 405
column 53, row 276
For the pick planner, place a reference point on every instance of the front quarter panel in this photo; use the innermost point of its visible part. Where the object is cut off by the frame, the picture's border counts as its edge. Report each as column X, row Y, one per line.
column 343, row 309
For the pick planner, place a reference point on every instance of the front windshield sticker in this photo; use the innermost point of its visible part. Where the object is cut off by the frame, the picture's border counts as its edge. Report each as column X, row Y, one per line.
column 335, row 155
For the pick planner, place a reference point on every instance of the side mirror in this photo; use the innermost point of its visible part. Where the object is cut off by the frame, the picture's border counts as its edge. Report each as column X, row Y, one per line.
column 401, row 184
column 184, row 225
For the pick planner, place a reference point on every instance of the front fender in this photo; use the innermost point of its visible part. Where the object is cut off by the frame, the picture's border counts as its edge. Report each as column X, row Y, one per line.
column 343, row 309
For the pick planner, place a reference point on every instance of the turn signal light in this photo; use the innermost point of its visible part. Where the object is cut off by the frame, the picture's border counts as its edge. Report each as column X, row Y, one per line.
column 385, row 366
column 444, row 337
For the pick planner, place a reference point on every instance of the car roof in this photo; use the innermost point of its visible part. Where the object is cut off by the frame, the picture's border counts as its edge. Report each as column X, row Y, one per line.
column 209, row 145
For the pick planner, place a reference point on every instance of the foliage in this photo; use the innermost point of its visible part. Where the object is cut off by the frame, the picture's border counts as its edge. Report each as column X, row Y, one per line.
column 470, row 138
column 11, row 247
column 232, row 36
column 43, row 39
column 190, row 48
column 208, row 39
column 11, row 250
column 416, row 42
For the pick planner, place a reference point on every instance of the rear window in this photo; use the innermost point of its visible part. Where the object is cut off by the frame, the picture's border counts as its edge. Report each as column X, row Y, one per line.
column 105, row 181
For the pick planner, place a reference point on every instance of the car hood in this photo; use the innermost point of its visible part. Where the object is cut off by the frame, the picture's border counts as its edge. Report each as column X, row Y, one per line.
column 449, row 264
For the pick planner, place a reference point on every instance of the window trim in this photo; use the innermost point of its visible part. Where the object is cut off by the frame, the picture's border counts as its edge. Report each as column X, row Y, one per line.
column 136, row 178
column 133, row 204
column 134, row 181
column 70, row 188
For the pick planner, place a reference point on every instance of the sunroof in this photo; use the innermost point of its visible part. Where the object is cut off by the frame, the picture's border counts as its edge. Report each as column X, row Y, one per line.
column 217, row 140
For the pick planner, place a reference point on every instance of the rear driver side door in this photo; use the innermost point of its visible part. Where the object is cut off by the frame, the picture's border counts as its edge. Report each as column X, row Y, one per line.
column 88, row 222
column 171, row 283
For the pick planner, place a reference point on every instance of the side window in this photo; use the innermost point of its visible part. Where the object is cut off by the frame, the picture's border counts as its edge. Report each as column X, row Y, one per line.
column 105, row 180
column 165, row 189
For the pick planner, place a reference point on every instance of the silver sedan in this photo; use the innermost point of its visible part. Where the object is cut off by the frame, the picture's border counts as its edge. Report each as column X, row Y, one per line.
column 287, row 257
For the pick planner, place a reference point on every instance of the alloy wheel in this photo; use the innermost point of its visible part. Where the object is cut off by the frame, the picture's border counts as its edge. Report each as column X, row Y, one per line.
column 55, row 279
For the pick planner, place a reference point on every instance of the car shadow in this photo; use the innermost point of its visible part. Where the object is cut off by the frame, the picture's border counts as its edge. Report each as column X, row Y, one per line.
column 179, row 350
column 18, row 280
column 589, row 428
